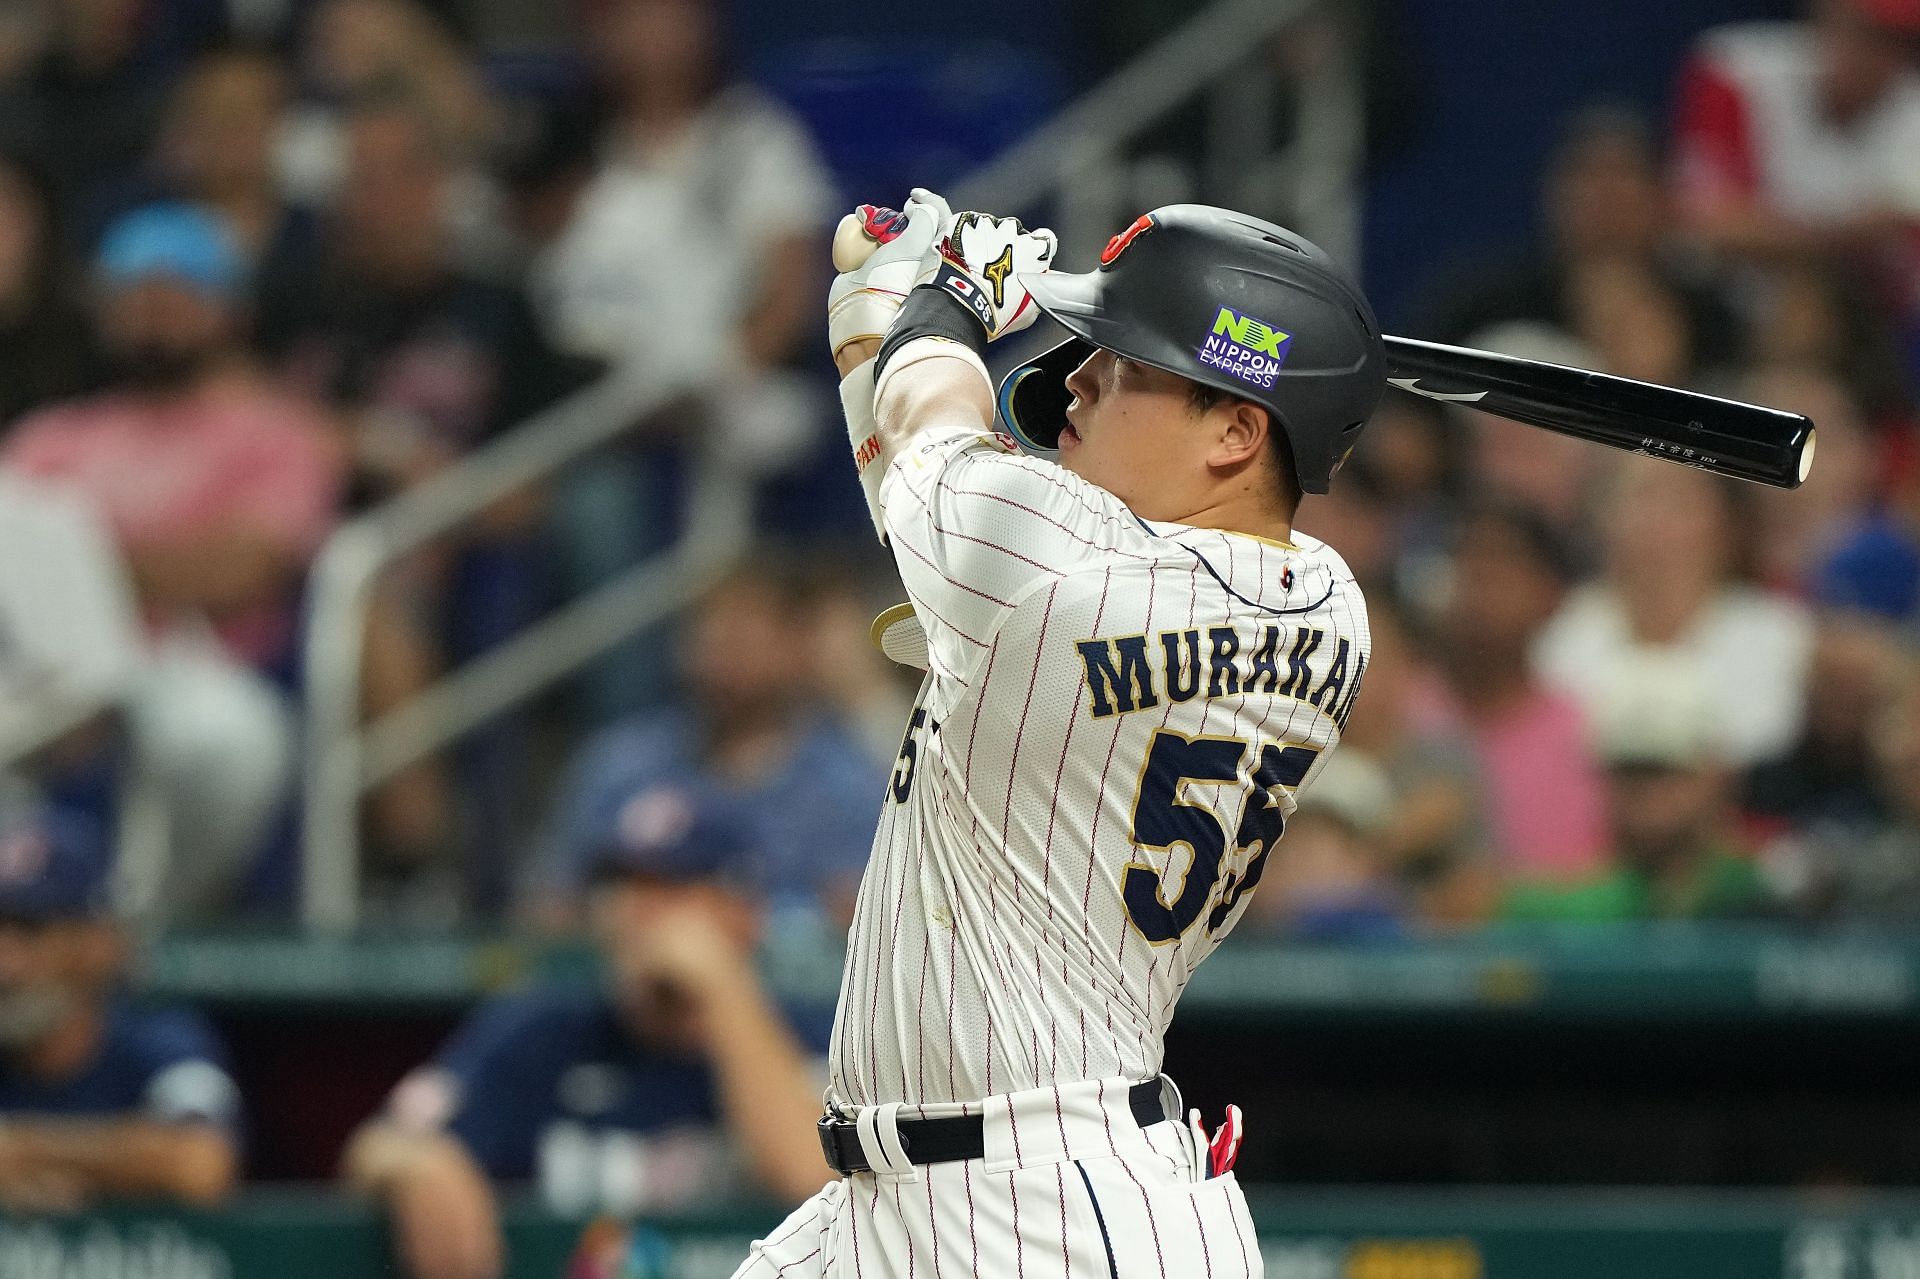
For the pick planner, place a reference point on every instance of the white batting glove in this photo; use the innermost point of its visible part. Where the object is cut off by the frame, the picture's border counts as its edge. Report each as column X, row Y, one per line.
column 981, row 260
column 901, row 253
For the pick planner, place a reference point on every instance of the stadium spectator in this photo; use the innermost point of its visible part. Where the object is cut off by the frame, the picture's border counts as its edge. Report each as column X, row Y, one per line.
column 1673, row 851
column 1795, row 140
column 1823, row 320
column 1800, row 530
column 693, row 251
column 1608, row 256
column 1551, row 473
column 100, row 1098
column 425, row 358
column 69, row 636
column 353, row 46
column 1674, row 579
column 1391, row 513
column 1508, row 573
column 748, row 734
column 1845, row 539
column 1434, row 834
column 1854, row 871
column 1331, row 880
column 45, row 345
column 674, row 1083
column 1635, row 321
column 217, row 148
column 1826, row 779
column 697, row 234
column 88, row 707
column 1417, row 462
column 1356, row 516
column 870, row 694
column 85, row 93
column 218, row 485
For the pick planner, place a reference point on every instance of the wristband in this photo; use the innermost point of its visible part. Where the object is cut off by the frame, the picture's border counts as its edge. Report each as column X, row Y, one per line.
column 933, row 311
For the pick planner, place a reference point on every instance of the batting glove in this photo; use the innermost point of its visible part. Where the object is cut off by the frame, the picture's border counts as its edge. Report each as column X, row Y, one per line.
column 981, row 261
column 864, row 300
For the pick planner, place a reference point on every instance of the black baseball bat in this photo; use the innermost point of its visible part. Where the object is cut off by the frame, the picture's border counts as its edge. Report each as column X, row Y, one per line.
column 1727, row 437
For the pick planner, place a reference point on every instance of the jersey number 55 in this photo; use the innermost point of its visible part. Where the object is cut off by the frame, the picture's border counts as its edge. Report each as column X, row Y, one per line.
column 1162, row 819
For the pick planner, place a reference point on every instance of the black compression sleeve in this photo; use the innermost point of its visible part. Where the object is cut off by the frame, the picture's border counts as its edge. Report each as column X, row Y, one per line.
column 931, row 312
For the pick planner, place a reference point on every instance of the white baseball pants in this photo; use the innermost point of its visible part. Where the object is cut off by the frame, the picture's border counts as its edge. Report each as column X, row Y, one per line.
column 1071, row 1188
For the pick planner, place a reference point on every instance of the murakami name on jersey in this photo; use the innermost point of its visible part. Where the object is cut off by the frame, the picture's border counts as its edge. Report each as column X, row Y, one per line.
column 1133, row 672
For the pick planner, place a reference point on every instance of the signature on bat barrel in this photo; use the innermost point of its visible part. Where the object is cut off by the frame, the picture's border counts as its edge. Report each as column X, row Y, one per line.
column 1675, row 452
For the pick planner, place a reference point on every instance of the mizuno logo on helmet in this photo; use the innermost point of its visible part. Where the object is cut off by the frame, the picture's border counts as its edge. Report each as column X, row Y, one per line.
column 1244, row 330
column 1118, row 244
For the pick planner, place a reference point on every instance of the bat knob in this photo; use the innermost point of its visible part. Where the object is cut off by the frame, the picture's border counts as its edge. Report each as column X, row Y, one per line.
column 852, row 246
column 862, row 231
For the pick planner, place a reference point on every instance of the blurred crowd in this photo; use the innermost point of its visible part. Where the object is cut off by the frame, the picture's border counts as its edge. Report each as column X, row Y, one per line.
column 266, row 266
column 1606, row 687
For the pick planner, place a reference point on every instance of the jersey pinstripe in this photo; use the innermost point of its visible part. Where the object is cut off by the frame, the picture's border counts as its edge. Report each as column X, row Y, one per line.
column 1115, row 723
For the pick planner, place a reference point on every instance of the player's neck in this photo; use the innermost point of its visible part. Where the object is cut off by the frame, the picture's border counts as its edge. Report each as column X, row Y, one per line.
column 1254, row 513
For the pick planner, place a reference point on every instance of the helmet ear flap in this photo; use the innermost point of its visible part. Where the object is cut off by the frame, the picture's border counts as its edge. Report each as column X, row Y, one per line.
column 1034, row 397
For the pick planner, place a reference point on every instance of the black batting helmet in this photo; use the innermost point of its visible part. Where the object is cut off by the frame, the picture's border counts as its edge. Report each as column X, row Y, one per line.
column 1229, row 301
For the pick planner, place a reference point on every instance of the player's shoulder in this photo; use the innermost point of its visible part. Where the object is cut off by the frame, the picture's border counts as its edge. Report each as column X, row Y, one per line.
column 987, row 473
column 1331, row 594
column 1320, row 555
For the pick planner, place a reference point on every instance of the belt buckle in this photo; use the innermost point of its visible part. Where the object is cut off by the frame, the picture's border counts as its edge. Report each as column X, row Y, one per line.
column 831, row 1130
column 828, row 1147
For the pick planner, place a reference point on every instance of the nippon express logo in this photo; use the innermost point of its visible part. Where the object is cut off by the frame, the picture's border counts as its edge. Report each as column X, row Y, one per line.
column 1245, row 348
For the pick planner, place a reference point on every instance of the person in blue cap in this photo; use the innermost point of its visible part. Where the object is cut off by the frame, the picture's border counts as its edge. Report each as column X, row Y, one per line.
column 217, row 487
column 676, row 1081
column 99, row 1098
column 748, row 731
column 219, row 484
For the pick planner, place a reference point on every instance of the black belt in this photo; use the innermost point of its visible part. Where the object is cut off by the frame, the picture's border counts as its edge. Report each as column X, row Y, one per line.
column 938, row 1141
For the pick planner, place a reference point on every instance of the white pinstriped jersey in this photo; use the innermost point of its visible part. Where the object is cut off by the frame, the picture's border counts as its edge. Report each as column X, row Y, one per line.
column 1106, row 746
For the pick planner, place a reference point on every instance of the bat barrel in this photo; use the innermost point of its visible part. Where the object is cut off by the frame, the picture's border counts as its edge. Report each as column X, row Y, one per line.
column 1727, row 437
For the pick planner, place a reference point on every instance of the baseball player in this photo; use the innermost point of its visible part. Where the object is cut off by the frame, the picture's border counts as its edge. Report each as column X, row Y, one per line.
column 1133, row 663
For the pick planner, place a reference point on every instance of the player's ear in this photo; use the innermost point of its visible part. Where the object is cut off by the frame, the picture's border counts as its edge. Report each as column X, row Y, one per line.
column 1240, row 433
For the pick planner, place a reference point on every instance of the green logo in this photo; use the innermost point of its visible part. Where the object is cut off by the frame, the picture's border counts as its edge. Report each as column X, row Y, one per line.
column 1246, row 331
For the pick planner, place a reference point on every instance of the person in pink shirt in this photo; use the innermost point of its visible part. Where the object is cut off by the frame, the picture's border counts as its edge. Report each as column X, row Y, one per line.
column 1544, row 794
column 215, row 488
column 217, row 485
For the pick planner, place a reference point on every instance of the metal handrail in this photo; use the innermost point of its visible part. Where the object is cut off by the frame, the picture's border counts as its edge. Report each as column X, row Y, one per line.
column 1065, row 156
column 345, row 758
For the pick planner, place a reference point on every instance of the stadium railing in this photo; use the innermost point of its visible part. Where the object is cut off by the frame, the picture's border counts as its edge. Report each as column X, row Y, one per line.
column 345, row 758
